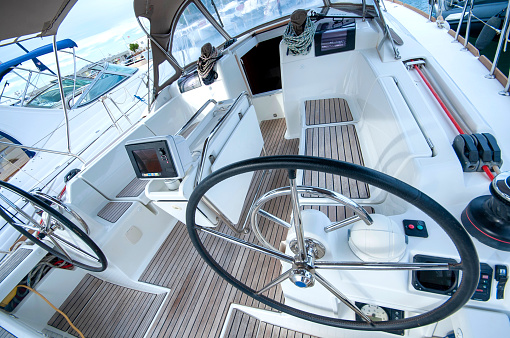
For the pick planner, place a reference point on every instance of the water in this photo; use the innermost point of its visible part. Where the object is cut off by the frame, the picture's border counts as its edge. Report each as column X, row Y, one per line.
column 420, row 4
column 489, row 52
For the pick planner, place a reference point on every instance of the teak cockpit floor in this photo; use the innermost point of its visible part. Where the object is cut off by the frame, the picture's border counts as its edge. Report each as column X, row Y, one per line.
column 243, row 325
column 102, row 309
column 199, row 299
column 324, row 111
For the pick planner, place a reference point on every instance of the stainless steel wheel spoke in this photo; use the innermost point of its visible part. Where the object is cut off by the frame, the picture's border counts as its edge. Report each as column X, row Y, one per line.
column 342, row 223
column 254, row 247
column 385, row 266
column 273, row 218
column 342, row 297
column 296, row 216
column 72, row 246
column 60, row 248
column 275, row 281
column 28, row 227
column 18, row 209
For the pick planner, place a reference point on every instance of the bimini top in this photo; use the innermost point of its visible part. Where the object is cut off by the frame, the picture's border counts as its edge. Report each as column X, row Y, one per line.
column 7, row 66
column 178, row 29
column 28, row 17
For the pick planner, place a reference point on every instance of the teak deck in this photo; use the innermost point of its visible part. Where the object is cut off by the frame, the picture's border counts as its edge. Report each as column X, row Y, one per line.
column 243, row 325
column 102, row 309
column 325, row 111
column 199, row 299
column 338, row 142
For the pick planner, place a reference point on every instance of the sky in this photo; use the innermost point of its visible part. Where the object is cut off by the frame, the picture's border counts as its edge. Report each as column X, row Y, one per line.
column 99, row 27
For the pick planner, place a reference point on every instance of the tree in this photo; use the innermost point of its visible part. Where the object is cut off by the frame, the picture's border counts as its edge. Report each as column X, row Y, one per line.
column 133, row 47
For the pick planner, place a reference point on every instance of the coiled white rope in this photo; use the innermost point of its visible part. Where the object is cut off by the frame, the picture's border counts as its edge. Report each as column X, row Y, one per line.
column 299, row 44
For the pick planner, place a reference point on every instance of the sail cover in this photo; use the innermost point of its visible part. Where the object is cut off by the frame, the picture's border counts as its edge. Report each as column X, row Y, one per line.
column 25, row 17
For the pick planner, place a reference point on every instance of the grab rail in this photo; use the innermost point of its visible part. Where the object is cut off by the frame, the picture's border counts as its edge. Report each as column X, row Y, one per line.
column 43, row 150
column 188, row 124
column 200, row 168
column 386, row 31
column 212, row 135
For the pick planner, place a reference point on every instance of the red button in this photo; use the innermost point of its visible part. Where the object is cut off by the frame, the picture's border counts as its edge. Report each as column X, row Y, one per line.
column 411, row 226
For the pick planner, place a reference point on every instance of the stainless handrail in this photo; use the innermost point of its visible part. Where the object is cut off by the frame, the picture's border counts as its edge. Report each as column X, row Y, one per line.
column 468, row 27
column 190, row 121
column 461, row 19
column 200, row 168
column 386, row 30
column 503, row 37
column 43, row 150
column 212, row 135
column 506, row 91
column 62, row 96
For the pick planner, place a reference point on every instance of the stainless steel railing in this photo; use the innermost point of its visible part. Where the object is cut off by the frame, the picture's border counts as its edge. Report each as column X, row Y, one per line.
column 503, row 39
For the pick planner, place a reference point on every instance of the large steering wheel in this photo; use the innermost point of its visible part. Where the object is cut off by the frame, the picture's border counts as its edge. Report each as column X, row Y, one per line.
column 309, row 268
column 34, row 217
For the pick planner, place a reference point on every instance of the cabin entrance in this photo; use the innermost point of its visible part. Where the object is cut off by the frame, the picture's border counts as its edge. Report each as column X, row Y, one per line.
column 262, row 66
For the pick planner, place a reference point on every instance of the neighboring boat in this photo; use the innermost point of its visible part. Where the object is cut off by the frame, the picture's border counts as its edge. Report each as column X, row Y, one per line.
column 326, row 183
column 112, row 96
column 483, row 10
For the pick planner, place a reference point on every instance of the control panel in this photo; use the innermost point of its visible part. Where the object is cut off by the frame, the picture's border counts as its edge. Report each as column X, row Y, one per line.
column 415, row 228
column 483, row 290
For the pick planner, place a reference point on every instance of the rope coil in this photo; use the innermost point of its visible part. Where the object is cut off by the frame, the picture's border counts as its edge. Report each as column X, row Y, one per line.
column 299, row 44
column 206, row 63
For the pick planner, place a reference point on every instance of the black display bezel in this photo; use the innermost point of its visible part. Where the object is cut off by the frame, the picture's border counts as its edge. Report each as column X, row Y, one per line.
column 349, row 28
column 168, row 168
column 418, row 283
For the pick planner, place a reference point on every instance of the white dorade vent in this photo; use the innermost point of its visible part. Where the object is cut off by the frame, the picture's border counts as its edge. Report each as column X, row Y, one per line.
column 12, row 261
column 113, row 211
column 133, row 189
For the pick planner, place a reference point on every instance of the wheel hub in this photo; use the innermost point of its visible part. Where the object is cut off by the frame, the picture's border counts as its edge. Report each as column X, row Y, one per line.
column 302, row 278
column 313, row 246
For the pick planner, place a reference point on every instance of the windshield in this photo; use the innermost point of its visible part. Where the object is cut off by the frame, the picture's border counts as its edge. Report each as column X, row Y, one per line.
column 105, row 83
column 239, row 16
column 192, row 32
column 120, row 69
column 50, row 97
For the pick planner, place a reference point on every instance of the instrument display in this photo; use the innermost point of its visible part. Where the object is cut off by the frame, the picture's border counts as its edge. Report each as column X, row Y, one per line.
column 165, row 157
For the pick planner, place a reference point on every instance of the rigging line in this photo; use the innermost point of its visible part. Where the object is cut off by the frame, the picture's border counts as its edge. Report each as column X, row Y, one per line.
column 498, row 31
column 441, row 103
column 485, row 168
column 54, row 308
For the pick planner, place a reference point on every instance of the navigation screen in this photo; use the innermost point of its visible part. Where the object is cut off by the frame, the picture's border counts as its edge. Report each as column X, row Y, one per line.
column 335, row 36
column 148, row 162
column 437, row 280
